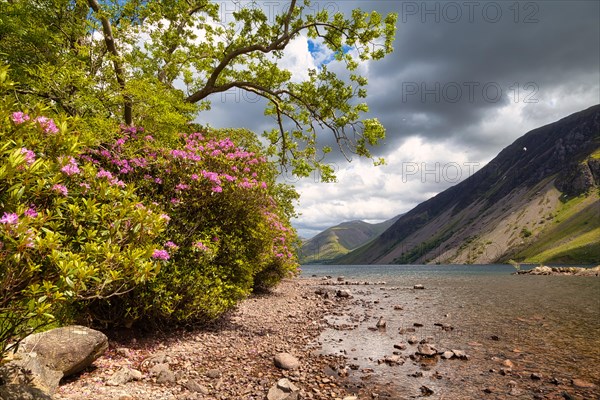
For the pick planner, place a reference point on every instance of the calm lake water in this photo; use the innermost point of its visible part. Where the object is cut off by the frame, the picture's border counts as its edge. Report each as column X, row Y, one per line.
column 547, row 325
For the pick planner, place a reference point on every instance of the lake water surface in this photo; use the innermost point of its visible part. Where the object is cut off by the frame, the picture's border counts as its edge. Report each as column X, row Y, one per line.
column 544, row 325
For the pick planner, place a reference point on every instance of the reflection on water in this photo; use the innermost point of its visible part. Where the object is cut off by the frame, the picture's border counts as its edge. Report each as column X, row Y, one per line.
column 547, row 325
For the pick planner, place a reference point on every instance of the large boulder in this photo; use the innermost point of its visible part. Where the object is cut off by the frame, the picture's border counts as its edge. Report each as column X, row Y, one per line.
column 43, row 359
column 69, row 349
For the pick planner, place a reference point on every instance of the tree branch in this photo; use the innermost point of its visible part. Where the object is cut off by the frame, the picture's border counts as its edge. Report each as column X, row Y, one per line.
column 117, row 65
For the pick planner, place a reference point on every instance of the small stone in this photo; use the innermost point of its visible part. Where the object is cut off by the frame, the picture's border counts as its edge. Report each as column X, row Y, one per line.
column 213, row 373
column 535, row 376
column 447, row 355
column 166, row 376
column 286, row 361
column 583, row 384
column 426, row 350
column 413, row 340
column 425, row 391
column 398, row 308
column 195, row 387
column 508, row 363
column 419, row 287
column 400, row 346
column 381, row 323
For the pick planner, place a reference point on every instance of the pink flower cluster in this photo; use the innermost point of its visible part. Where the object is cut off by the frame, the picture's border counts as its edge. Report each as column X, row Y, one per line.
column 29, row 155
column 61, row 189
column 9, row 219
column 47, row 124
column 111, row 179
column 161, row 255
column 71, row 168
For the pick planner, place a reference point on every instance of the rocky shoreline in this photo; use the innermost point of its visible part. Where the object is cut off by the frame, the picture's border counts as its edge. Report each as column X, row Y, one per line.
column 295, row 343
column 576, row 271
column 232, row 358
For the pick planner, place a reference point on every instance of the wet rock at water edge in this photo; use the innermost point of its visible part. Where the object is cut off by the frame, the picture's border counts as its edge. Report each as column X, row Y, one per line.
column 536, row 376
column 286, row 361
column 426, row 350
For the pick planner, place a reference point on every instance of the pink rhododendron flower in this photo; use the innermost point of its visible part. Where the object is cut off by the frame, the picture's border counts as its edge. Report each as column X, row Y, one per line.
column 47, row 124
column 201, row 246
column 19, row 117
column 9, row 219
column 104, row 174
column 29, row 155
column 165, row 217
column 181, row 186
column 217, row 189
column 161, row 255
column 171, row 245
column 62, row 189
column 31, row 212
column 71, row 168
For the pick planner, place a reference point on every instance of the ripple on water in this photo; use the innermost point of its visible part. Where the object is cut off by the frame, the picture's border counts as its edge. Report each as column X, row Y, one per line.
column 549, row 325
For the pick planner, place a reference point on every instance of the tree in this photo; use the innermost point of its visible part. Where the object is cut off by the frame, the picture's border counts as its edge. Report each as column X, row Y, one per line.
column 156, row 63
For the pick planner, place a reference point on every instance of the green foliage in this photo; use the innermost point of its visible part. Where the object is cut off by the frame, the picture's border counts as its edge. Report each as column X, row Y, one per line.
column 128, row 61
column 228, row 230
column 65, row 235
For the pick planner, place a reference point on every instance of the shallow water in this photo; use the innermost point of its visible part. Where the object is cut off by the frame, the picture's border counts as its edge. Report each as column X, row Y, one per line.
column 548, row 325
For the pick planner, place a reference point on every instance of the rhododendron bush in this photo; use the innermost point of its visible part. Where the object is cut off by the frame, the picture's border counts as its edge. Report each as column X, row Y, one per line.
column 227, row 231
column 129, row 228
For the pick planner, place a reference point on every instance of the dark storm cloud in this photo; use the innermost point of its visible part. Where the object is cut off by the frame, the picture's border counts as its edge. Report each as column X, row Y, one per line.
column 470, row 76
column 450, row 71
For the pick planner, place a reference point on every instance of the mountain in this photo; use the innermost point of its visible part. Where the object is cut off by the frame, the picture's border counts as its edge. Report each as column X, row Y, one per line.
column 340, row 239
column 537, row 201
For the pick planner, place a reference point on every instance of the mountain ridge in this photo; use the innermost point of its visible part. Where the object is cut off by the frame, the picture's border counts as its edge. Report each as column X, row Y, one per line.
column 550, row 165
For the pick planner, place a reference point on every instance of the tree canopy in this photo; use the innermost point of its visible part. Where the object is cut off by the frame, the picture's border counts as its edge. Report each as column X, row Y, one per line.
column 157, row 63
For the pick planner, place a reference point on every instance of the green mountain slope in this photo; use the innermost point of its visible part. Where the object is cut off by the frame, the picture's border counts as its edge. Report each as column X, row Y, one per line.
column 340, row 239
column 537, row 201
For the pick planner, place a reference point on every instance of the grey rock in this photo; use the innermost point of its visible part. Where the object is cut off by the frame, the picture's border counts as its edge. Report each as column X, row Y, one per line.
column 419, row 287
column 213, row 373
column 381, row 323
column 123, row 376
column 195, row 387
column 27, row 374
column 286, row 361
column 447, row 355
column 345, row 293
column 426, row 350
column 69, row 349
column 166, row 376
column 283, row 390
column 412, row 340
column 22, row 392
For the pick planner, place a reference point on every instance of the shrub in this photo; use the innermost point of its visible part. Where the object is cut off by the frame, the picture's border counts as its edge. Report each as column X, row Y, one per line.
column 228, row 230
column 67, row 238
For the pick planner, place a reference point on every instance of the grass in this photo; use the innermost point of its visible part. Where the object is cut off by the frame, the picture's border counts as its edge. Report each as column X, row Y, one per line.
column 574, row 233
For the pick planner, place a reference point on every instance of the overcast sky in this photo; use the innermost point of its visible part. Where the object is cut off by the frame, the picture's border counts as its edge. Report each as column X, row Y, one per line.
column 465, row 80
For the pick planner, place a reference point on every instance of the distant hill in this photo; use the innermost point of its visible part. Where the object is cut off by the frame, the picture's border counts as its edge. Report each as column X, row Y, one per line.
column 340, row 239
column 537, row 201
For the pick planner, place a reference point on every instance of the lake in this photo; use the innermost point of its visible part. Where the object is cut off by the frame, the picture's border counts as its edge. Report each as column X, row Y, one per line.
column 548, row 326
